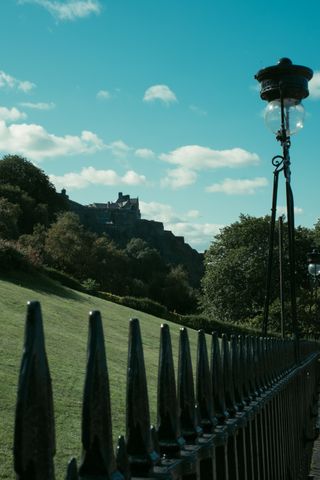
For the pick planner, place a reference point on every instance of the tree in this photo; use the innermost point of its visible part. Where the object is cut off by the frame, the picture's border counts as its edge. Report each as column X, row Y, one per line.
column 148, row 269
column 34, row 244
column 9, row 215
column 177, row 295
column 32, row 184
column 235, row 271
column 109, row 266
column 30, row 212
column 68, row 246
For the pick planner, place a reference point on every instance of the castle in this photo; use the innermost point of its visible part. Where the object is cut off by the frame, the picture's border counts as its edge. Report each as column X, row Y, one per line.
column 121, row 220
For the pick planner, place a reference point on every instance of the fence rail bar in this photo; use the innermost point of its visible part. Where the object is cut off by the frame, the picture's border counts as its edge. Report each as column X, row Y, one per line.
column 252, row 415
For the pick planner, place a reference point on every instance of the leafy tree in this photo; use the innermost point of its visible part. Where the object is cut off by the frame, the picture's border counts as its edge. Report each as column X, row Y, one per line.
column 34, row 184
column 146, row 261
column 235, row 271
column 30, row 212
column 177, row 295
column 34, row 244
column 9, row 215
column 68, row 245
column 109, row 266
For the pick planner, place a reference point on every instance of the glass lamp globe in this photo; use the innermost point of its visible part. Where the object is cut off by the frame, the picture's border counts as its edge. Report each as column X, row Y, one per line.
column 314, row 269
column 294, row 114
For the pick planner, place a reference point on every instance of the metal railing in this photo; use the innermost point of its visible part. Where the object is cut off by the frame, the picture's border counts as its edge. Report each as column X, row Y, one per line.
column 250, row 414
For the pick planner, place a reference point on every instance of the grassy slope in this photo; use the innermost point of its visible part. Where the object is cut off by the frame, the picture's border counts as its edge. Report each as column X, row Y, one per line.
column 65, row 314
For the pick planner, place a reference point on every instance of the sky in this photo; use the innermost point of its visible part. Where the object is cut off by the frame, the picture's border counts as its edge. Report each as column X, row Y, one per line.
column 157, row 99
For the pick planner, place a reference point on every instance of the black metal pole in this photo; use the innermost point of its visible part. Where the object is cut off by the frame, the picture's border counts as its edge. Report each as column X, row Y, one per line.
column 285, row 142
column 281, row 275
column 271, row 243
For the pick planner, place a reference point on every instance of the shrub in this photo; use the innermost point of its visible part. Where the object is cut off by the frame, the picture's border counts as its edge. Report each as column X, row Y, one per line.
column 110, row 297
column 202, row 322
column 145, row 305
column 90, row 286
column 64, row 278
column 12, row 257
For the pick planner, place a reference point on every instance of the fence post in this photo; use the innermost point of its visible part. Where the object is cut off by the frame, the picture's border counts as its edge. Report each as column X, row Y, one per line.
column 208, row 421
column 34, row 436
column 168, row 425
column 97, row 456
column 140, row 449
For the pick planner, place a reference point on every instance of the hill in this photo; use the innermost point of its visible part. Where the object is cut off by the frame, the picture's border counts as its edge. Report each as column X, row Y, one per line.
column 65, row 314
column 121, row 220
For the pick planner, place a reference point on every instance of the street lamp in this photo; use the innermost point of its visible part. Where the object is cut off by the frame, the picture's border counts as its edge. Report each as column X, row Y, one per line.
column 283, row 86
column 313, row 260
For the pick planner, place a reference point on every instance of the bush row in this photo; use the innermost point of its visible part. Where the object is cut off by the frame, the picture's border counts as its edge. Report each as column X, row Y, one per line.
column 196, row 322
column 13, row 258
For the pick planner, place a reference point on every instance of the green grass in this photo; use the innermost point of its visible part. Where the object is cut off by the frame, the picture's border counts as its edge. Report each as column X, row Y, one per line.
column 65, row 315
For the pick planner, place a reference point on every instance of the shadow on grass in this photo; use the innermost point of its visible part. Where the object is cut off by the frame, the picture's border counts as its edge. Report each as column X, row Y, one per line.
column 41, row 283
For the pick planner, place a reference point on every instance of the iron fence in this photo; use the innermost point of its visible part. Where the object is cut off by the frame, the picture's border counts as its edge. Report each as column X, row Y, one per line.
column 250, row 413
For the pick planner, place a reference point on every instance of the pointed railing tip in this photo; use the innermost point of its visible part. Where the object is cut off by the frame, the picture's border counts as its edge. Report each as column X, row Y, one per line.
column 72, row 470
column 98, row 455
column 169, row 434
column 139, row 443
column 33, row 326
column 190, row 429
column 34, row 437
column 205, row 405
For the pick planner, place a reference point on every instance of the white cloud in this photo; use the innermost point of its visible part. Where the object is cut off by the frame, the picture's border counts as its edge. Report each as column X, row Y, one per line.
column 144, row 153
column 7, row 81
column 238, row 186
column 199, row 111
column 314, row 86
column 38, row 106
column 34, row 142
column 161, row 93
column 91, row 176
column 193, row 214
column 119, row 148
column 11, row 114
column 160, row 212
column 282, row 210
column 178, row 178
column 103, row 95
column 196, row 157
column 70, row 9
column 198, row 235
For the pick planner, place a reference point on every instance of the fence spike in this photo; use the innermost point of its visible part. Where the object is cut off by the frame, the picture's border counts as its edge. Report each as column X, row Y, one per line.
column 244, row 369
column 168, row 424
column 237, row 372
column 142, row 455
column 188, row 418
column 227, row 377
column 256, row 364
column 34, row 436
column 97, row 455
column 250, row 364
column 122, row 458
column 205, row 402
column 217, row 380
column 72, row 470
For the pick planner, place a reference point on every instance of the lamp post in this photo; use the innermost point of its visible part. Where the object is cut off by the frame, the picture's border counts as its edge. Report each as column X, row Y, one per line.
column 283, row 86
column 313, row 260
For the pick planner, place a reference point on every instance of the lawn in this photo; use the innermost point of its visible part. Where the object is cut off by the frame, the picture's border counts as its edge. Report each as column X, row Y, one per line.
column 65, row 315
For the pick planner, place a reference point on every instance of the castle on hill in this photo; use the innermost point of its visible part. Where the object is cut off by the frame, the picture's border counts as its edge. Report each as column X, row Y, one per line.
column 121, row 220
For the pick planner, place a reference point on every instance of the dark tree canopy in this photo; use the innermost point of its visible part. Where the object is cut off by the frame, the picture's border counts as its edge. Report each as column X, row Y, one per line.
column 234, row 283
column 31, row 185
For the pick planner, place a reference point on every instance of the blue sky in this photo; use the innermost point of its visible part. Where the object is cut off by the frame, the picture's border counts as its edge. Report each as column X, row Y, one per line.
column 157, row 99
